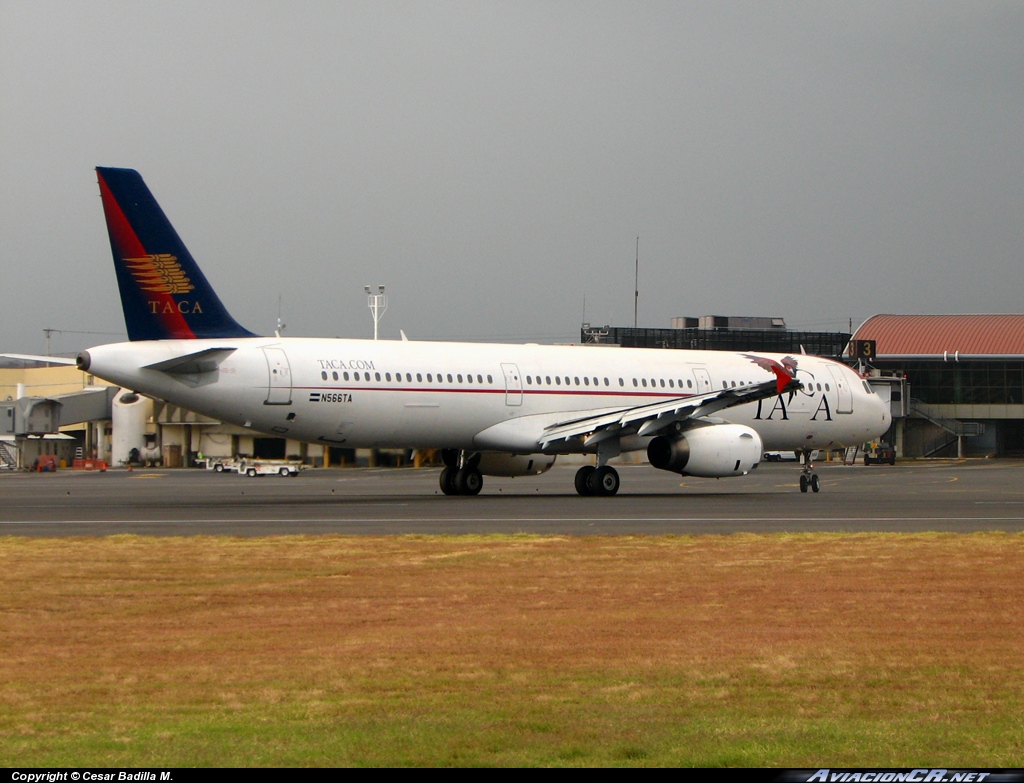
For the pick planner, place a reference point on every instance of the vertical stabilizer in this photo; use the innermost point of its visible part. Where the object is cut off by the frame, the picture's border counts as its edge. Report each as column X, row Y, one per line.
column 163, row 292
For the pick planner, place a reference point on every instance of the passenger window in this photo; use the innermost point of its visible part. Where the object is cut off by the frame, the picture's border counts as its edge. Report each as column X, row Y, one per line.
column 577, row 381
column 826, row 387
column 345, row 375
column 634, row 382
column 662, row 382
column 622, row 382
column 606, row 383
column 357, row 376
column 490, row 379
column 566, row 380
column 548, row 379
column 689, row 384
column 469, row 378
column 419, row 377
column 450, row 378
column 586, row 381
column 529, row 380
column 387, row 377
column 429, row 378
column 376, row 376
column 558, row 381
column 644, row 382
column 323, row 375
column 459, row 376
column 479, row 379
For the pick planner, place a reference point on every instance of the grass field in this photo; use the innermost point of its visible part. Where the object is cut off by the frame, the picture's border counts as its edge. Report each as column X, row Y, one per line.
column 774, row 650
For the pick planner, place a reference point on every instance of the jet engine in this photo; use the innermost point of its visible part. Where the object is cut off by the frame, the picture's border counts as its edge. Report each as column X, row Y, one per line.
column 715, row 451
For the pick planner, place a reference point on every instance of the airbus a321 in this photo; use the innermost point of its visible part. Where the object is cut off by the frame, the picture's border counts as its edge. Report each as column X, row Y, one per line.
column 492, row 410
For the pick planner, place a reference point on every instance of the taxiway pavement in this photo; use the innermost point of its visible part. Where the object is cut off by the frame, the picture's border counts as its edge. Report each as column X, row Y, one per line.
column 960, row 496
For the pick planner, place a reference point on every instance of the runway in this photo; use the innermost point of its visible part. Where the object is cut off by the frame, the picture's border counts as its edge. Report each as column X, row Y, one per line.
column 940, row 496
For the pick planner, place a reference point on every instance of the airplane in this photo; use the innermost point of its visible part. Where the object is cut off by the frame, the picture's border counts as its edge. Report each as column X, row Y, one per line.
column 491, row 409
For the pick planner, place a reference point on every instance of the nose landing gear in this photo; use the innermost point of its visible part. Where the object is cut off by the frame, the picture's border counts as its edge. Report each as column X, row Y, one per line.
column 808, row 478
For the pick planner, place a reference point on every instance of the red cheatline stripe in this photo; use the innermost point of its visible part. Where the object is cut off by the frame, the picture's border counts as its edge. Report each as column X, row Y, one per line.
column 127, row 245
column 434, row 389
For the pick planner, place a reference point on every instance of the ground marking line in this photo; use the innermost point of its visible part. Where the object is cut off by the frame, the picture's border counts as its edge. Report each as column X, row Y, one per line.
column 454, row 520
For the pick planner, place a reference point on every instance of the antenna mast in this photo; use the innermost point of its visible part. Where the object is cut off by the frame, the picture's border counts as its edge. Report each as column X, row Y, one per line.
column 636, row 283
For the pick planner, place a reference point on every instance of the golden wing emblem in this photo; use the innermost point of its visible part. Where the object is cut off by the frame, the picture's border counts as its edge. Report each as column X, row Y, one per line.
column 160, row 273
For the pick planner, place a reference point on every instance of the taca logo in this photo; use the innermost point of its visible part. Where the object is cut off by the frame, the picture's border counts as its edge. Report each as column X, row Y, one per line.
column 159, row 273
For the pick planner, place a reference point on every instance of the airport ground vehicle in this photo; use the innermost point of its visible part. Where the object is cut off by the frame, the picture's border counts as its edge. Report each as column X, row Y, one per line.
column 222, row 464
column 263, row 467
column 880, row 454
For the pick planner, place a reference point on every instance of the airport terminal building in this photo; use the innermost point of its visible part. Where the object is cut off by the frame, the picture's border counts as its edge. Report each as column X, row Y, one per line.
column 964, row 381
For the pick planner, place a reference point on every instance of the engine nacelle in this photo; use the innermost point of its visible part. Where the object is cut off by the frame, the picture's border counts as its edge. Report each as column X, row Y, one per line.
column 715, row 451
column 498, row 463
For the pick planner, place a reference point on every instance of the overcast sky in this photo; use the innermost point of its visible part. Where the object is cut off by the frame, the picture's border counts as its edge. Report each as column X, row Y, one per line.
column 493, row 163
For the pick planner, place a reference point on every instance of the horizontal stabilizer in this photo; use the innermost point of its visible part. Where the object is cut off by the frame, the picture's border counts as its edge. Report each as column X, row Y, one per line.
column 193, row 363
column 25, row 357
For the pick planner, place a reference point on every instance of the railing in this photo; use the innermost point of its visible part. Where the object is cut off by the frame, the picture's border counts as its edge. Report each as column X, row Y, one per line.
column 936, row 445
column 961, row 429
column 8, row 457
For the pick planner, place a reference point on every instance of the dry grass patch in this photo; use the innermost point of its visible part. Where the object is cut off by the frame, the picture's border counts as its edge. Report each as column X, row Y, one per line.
column 760, row 650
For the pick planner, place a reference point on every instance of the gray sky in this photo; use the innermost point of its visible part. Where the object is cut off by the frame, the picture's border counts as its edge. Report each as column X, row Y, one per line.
column 492, row 163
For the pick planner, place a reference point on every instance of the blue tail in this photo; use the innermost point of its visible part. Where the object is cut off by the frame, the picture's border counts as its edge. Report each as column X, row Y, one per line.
column 163, row 292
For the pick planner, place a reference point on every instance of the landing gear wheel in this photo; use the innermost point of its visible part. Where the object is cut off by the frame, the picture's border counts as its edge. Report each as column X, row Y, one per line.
column 604, row 481
column 803, row 483
column 448, row 481
column 468, row 481
column 583, row 480
column 815, row 484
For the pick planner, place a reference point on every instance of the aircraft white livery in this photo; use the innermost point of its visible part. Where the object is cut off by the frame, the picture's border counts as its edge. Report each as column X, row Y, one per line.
column 499, row 410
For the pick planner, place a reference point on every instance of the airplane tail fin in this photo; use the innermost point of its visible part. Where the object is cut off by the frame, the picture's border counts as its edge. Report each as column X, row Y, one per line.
column 163, row 292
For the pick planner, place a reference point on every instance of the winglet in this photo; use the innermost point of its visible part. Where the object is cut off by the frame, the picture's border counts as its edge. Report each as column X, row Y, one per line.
column 782, row 378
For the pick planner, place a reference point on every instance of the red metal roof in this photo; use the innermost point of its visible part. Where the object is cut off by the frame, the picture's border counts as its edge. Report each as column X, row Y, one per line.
column 936, row 335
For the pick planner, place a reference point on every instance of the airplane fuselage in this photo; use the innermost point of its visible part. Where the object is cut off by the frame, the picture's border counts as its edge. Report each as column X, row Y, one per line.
column 497, row 397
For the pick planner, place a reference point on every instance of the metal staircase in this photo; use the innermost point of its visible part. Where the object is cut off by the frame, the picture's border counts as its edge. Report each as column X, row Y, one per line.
column 960, row 429
column 954, row 428
column 8, row 457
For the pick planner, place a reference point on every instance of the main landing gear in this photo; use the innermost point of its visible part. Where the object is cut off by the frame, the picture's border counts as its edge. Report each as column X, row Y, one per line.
column 460, row 476
column 597, row 481
column 808, row 478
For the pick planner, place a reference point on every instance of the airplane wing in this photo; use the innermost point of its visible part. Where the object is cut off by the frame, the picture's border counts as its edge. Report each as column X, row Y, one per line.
column 651, row 419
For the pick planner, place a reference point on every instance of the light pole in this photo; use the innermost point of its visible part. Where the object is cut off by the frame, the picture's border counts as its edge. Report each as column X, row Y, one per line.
column 377, row 303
